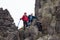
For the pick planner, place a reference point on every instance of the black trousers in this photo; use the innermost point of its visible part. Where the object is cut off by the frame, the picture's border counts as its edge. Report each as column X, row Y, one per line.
column 39, row 26
column 25, row 24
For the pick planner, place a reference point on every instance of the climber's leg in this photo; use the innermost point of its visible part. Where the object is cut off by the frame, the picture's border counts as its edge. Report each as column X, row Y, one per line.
column 24, row 23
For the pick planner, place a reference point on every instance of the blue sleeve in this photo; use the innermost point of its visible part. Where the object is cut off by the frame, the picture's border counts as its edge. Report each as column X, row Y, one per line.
column 34, row 17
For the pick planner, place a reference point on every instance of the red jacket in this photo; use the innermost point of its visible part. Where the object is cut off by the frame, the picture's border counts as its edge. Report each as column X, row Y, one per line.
column 25, row 18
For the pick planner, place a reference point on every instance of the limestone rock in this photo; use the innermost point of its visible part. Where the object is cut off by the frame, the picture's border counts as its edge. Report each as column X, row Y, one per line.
column 49, row 37
column 48, row 13
column 30, row 33
column 8, row 30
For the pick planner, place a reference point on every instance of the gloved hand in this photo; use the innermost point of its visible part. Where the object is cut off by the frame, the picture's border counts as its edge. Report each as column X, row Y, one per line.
column 20, row 19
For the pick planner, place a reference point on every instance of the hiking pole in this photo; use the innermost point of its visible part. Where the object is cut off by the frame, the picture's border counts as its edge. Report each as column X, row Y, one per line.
column 18, row 23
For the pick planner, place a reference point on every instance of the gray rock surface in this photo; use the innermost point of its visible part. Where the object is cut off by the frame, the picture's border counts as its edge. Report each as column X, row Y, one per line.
column 48, row 14
column 30, row 33
column 49, row 37
column 8, row 30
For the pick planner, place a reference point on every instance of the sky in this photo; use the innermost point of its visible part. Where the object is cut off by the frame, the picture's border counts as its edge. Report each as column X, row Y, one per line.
column 17, row 9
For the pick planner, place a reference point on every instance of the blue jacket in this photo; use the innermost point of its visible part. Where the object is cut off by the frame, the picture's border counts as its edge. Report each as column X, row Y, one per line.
column 31, row 18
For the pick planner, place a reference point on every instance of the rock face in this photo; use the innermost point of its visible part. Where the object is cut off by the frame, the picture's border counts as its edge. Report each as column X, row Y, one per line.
column 49, row 37
column 48, row 13
column 8, row 30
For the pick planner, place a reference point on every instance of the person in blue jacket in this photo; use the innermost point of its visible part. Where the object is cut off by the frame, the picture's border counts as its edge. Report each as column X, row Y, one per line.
column 31, row 18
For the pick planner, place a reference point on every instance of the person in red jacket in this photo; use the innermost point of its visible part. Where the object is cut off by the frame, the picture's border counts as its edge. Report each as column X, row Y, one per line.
column 25, row 20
